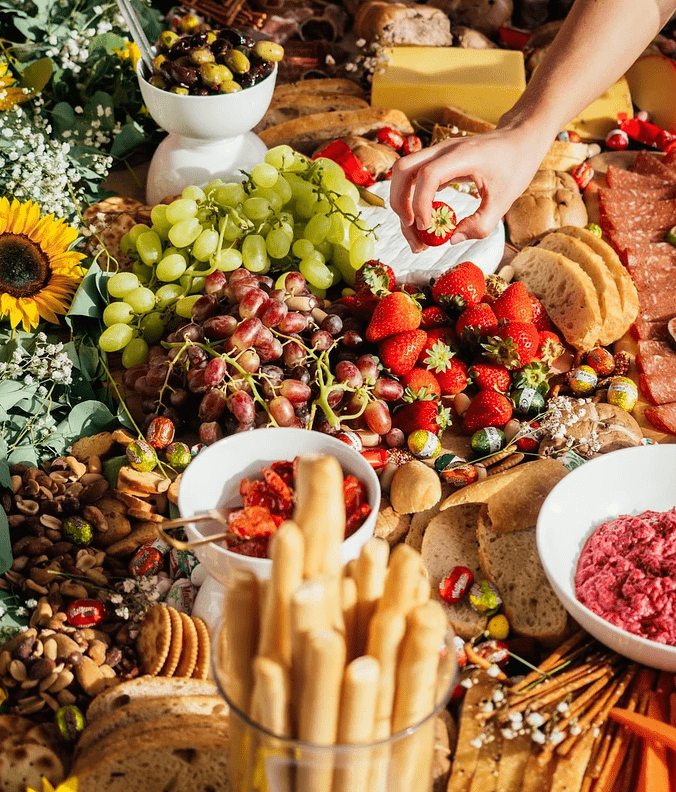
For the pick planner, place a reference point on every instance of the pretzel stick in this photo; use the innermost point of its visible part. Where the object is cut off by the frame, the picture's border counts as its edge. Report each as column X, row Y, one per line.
column 320, row 509
column 324, row 663
column 403, row 577
column 348, row 598
column 411, row 761
column 554, row 659
column 476, row 659
column 286, row 552
column 580, row 703
column 370, row 574
column 627, row 783
column 562, row 692
column 355, row 725
column 386, row 632
column 602, row 749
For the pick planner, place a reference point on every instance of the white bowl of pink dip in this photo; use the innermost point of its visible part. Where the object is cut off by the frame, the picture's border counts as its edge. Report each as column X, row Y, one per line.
column 628, row 572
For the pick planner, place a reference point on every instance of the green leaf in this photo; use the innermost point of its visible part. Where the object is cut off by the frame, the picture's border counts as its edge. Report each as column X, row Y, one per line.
column 86, row 418
column 36, row 76
column 130, row 137
column 111, row 467
column 63, row 117
column 107, row 41
column 5, row 476
column 87, row 301
column 5, row 543
column 25, row 453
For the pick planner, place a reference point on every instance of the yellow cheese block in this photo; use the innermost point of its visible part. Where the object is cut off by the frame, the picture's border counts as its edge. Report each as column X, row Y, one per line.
column 421, row 81
column 652, row 80
column 600, row 117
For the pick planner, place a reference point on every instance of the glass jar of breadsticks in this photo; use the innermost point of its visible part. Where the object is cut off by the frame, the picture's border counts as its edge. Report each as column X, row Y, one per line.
column 333, row 674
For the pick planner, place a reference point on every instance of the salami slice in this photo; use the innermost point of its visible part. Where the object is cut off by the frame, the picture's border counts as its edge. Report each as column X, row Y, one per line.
column 649, row 278
column 657, row 306
column 631, row 195
column 623, row 179
column 657, row 388
column 657, row 215
column 656, row 357
column 626, row 240
column 663, row 417
column 647, row 164
column 643, row 329
column 660, row 252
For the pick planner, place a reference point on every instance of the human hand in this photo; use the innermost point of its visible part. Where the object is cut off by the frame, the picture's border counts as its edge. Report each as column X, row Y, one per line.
column 501, row 163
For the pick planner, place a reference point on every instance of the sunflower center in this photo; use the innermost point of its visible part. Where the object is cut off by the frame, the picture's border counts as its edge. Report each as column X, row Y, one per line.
column 24, row 267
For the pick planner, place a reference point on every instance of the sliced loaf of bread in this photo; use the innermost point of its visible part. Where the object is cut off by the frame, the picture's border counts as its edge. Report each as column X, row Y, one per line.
column 450, row 541
column 511, row 562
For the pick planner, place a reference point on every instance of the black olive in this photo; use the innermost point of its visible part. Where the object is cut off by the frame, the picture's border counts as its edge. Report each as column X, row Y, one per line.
column 220, row 45
column 180, row 48
column 185, row 75
column 246, row 80
column 233, row 37
column 198, row 39
column 201, row 92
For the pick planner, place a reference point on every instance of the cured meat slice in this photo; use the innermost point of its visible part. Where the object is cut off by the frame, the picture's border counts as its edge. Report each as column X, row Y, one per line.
column 656, row 306
column 657, row 388
column 624, row 179
column 645, row 215
column 663, row 417
column 656, row 357
column 649, row 277
column 630, row 195
column 647, row 164
column 642, row 329
column 649, row 252
column 624, row 240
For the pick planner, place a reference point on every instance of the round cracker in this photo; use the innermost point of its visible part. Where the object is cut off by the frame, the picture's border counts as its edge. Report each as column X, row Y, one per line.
column 24, row 764
column 186, row 665
column 154, row 639
column 13, row 726
column 203, row 649
column 176, row 646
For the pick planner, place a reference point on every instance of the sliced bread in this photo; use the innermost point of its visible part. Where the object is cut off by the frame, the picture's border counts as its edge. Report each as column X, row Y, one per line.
column 331, row 85
column 191, row 760
column 420, row 520
column 147, row 710
column 511, row 562
column 147, row 687
column 610, row 305
column 566, row 291
column 450, row 541
column 625, row 285
column 292, row 106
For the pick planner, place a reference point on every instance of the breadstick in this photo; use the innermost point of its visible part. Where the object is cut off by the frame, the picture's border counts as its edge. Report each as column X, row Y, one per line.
column 423, row 591
column 333, row 575
column 324, row 663
column 348, row 597
column 271, row 697
column 350, row 569
column 370, row 574
column 241, row 624
column 386, row 632
column 403, row 579
column 286, row 551
column 355, row 725
column 415, row 693
column 320, row 509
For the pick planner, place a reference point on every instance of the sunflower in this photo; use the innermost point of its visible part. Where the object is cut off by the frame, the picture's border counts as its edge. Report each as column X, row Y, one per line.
column 130, row 52
column 10, row 95
column 38, row 273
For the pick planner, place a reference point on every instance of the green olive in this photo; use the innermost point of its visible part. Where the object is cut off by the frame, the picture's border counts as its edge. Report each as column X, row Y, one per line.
column 269, row 50
column 189, row 23
column 211, row 37
column 202, row 55
column 180, row 90
column 158, row 82
column 229, row 86
column 158, row 60
column 237, row 61
column 167, row 39
column 214, row 74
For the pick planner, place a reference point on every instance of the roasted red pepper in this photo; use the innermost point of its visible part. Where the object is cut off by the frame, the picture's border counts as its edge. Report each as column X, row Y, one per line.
column 354, row 168
column 645, row 132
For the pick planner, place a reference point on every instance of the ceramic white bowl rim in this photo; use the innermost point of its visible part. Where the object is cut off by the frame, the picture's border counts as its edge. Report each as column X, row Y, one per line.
column 295, row 442
column 575, row 486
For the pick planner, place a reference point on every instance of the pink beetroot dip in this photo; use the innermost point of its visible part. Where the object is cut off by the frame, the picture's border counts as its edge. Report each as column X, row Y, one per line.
column 627, row 574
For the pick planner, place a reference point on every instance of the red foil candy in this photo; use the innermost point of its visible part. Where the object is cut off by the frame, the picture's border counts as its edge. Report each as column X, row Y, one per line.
column 583, row 174
column 147, row 560
column 645, row 132
column 454, row 588
column 85, row 613
column 496, row 652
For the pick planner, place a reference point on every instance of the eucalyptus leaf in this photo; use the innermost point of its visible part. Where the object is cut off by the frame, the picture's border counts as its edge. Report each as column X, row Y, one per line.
column 107, row 41
column 85, row 419
column 36, row 76
column 5, row 476
column 111, row 467
column 5, row 543
column 88, row 300
column 24, row 453
column 130, row 137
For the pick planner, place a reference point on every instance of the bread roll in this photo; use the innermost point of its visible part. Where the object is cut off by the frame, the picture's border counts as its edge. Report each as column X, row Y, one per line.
column 415, row 487
column 402, row 24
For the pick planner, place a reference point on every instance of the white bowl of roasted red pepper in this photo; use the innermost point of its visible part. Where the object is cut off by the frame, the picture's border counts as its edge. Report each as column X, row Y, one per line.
column 264, row 459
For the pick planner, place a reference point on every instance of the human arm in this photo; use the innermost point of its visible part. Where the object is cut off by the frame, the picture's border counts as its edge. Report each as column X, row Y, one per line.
column 598, row 41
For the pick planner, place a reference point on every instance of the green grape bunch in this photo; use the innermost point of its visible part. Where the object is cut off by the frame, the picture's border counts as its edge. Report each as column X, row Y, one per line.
column 290, row 213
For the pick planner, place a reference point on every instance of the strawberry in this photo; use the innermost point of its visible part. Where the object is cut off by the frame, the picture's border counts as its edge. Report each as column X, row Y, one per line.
column 396, row 313
column 514, row 344
column 453, row 379
column 421, row 415
column 513, row 304
column 459, row 287
column 421, row 383
column 444, row 335
column 442, row 225
column 362, row 304
column 487, row 408
column 490, row 376
column 540, row 318
column 399, row 352
column 549, row 347
column 475, row 322
column 375, row 276
column 433, row 317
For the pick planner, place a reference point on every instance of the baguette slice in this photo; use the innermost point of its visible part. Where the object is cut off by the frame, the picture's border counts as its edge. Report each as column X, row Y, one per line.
column 612, row 318
column 450, row 541
column 511, row 562
column 145, row 687
column 566, row 291
column 625, row 285
column 457, row 117
column 287, row 108
column 190, row 760
column 307, row 133
column 331, row 85
column 145, row 711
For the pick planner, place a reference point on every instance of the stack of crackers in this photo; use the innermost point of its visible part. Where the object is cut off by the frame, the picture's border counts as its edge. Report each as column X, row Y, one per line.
column 173, row 644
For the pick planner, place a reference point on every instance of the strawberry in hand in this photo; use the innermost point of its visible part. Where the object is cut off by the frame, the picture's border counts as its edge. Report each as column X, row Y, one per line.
column 442, row 225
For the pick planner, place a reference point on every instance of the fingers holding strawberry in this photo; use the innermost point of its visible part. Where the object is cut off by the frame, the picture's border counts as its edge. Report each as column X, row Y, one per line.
column 441, row 226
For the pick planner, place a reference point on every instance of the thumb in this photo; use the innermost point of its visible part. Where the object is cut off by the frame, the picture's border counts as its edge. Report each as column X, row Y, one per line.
column 478, row 225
